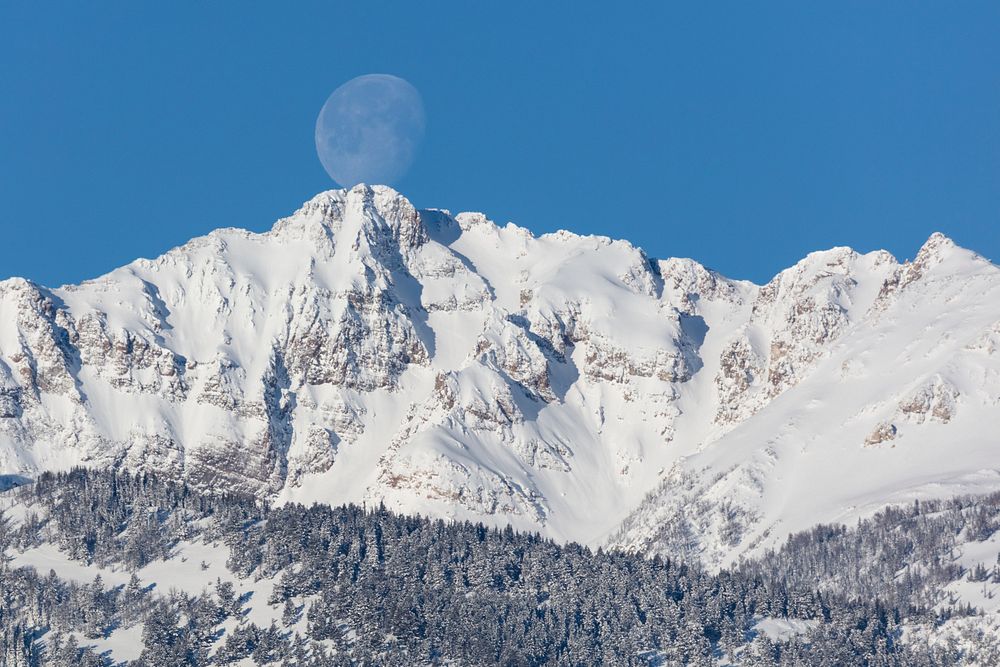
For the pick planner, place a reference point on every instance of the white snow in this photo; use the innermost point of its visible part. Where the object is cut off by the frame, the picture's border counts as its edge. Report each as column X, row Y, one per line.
column 783, row 629
column 567, row 377
column 192, row 568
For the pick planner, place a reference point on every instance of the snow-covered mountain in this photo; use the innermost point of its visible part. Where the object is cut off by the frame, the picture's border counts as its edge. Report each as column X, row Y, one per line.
column 366, row 351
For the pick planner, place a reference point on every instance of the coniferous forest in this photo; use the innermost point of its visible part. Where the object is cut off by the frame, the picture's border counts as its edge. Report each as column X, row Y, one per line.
column 362, row 586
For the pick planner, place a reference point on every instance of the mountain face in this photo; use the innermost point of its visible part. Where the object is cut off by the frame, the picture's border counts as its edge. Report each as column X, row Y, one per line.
column 365, row 351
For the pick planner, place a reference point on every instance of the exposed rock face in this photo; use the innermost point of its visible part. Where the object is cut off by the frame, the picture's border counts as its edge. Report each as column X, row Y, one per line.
column 362, row 350
column 882, row 433
column 935, row 399
column 793, row 321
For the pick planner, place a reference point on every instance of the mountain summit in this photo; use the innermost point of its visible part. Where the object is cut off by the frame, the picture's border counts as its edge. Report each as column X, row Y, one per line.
column 363, row 350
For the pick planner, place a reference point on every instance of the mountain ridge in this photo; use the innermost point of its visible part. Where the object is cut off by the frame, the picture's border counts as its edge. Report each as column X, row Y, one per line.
column 362, row 350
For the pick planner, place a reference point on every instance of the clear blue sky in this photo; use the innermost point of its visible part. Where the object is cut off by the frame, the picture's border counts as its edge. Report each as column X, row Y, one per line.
column 741, row 134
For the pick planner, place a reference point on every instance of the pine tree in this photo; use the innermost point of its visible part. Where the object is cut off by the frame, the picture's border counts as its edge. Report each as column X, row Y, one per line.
column 290, row 614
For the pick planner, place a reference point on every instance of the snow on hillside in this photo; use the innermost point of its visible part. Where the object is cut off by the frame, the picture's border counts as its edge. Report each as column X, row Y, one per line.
column 365, row 351
column 900, row 403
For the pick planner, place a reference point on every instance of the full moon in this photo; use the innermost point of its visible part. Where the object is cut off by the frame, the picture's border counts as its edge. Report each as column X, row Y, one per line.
column 369, row 130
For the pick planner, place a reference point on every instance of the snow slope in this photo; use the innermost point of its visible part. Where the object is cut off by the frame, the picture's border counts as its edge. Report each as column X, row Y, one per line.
column 365, row 351
column 902, row 402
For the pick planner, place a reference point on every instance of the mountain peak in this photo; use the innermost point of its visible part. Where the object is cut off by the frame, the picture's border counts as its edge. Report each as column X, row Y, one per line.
column 378, row 213
column 940, row 251
column 936, row 246
column 365, row 350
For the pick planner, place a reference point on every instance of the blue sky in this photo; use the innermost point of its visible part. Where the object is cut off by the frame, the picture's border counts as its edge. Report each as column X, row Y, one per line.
column 741, row 134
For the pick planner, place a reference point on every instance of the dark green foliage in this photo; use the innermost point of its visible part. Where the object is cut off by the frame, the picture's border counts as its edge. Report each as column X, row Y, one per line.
column 902, row 555
column 378, row 588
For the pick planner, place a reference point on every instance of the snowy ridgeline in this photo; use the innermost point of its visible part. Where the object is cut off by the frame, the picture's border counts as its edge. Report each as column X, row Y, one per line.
column 364, row 351
column 110, row 569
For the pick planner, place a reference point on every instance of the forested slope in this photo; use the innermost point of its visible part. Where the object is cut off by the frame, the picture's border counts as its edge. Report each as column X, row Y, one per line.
column 354, row 585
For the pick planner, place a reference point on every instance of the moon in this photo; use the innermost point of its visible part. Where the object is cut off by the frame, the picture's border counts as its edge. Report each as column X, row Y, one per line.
column 369, row 130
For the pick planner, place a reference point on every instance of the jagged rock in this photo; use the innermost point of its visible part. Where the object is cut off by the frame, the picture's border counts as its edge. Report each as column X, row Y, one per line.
column 882, row 433
column 935, row 399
